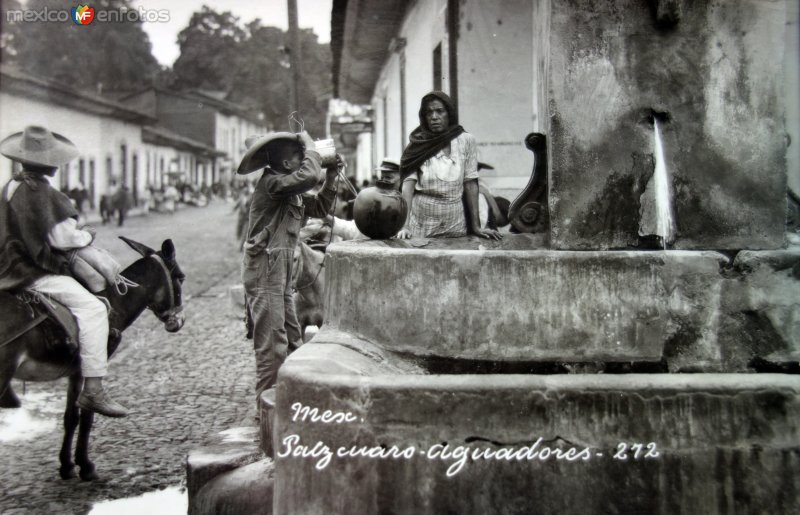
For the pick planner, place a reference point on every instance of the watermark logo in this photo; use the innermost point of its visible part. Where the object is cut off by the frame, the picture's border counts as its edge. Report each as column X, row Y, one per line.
column 83, row 14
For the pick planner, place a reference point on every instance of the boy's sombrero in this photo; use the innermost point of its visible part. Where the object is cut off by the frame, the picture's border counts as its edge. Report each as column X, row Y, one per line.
column 258, row 147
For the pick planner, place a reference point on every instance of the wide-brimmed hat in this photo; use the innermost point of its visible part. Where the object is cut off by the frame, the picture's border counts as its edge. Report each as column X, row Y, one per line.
column 38, row 146
column 258, row 147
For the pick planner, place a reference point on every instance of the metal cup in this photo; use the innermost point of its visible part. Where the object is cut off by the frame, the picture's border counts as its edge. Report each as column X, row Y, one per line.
column 327, row 152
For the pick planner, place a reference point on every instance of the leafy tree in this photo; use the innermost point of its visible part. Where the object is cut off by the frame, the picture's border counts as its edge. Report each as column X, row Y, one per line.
column 251, row 65
column 210, row 51
column 116, row 55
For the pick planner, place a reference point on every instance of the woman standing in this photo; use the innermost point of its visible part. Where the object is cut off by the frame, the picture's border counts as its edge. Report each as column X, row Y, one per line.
column 440, row 175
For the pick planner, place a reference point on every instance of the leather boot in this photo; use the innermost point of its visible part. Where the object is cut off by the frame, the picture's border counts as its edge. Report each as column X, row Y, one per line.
column 100, row 402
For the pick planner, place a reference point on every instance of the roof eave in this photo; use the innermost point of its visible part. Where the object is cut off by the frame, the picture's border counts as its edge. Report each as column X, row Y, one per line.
column 363, row 36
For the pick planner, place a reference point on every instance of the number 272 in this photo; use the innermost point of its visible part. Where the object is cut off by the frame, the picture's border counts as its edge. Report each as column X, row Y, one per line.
column 636, row 451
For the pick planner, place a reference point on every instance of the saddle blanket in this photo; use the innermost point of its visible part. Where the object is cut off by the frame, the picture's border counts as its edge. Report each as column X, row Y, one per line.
column 25, row 310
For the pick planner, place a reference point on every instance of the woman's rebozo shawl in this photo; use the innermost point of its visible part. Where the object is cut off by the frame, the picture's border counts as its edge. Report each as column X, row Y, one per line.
column 424, row 144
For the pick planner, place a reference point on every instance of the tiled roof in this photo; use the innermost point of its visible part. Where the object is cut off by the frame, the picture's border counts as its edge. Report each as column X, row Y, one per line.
column 161, row 136
column 13, row 80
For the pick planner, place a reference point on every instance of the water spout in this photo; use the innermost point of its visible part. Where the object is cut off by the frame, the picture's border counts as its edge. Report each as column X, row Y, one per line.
column 667, row 13
column 665, row 223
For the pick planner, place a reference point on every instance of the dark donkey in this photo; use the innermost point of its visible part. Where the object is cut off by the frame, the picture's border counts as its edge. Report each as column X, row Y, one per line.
column 40, row 354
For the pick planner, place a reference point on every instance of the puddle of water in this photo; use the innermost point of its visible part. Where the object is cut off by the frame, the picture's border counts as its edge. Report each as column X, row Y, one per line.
column 39, row 414
column 162, row 502
column 239, row 435
column 18, row 425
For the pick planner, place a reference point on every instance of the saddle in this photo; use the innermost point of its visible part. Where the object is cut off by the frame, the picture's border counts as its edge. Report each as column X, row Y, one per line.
column 22, row 311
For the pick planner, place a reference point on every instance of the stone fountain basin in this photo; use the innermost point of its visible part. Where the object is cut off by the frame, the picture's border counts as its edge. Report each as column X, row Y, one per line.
column 725, row 442
column 473, row 299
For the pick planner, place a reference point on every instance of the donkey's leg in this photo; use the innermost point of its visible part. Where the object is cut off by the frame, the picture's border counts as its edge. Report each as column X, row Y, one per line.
column 82, row 448
column 8, row 399
column 67, row 469
column 8, row 364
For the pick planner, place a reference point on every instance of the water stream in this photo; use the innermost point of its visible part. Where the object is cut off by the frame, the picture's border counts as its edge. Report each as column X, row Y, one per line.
column 665, row 223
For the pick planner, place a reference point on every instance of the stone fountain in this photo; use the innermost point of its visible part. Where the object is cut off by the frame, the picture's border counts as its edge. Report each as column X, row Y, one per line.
column 615, row 363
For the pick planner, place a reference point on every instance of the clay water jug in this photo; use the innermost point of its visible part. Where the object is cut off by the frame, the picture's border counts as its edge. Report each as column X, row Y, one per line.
column 380, row 211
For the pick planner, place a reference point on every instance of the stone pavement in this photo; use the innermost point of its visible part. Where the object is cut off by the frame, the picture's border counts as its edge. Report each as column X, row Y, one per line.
column 182, row 388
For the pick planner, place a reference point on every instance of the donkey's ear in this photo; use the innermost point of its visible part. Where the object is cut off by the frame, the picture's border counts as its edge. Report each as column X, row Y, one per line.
column 168, row 249
column 141, row 248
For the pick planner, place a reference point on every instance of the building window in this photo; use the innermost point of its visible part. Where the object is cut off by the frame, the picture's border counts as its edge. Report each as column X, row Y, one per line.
column 437, row 68
column 135, row 185
column 109, row 172
column 123, row 149
column 82, row 172
column 92, row 181
column 235, row 149
column 64, row 172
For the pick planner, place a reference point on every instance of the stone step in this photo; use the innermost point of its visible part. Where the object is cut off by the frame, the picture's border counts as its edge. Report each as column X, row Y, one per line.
column 233, row 449
column 245, row 489
column 578, row 443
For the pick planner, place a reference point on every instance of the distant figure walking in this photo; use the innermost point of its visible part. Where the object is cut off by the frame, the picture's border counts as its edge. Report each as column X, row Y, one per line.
column 146, row 198
column 171, row 196
column 122, row 202
column 107, row 202
column 79, row 195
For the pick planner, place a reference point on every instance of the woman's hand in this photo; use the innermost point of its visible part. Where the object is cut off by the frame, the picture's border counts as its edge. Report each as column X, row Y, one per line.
column 489, row 234
column 407, row 190
column 312, row 228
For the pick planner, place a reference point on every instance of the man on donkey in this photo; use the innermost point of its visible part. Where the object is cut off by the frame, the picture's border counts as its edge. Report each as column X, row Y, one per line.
column 38, row 228
column 278, row 208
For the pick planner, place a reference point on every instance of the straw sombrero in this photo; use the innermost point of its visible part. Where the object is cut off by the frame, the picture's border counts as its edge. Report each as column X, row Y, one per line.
column 257, row 156
column 38, row 146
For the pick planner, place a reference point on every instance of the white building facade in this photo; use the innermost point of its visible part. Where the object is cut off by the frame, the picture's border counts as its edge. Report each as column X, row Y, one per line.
column 108, row 135
column 230, row 134
column 120, row 144
column 206, row 119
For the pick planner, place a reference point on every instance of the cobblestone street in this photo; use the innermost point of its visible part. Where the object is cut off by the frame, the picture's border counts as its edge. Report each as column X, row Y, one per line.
column 182, row 388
